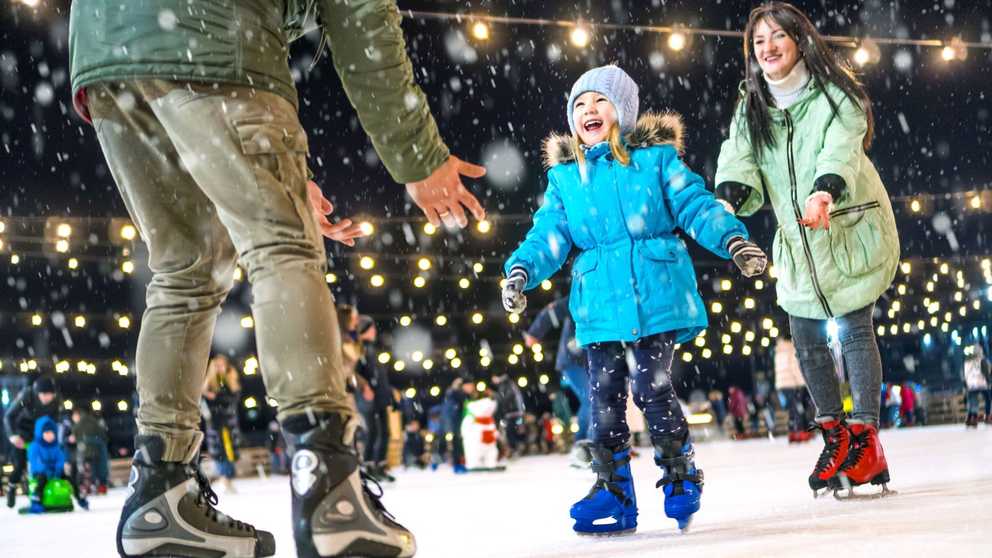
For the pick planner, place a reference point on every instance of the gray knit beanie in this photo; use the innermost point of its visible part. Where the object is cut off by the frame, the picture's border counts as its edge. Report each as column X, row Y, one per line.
column 614, row 84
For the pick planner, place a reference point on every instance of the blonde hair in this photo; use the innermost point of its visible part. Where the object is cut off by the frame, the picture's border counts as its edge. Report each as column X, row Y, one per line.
column 617, row 148
column 229, row 377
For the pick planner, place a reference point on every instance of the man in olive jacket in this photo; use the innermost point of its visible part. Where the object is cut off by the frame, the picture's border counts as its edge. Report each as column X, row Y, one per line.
column 196, row 112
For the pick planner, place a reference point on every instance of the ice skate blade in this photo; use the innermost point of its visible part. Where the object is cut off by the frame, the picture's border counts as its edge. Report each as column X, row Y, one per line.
column 847, row 494
column 685, row 526
column 606, row 534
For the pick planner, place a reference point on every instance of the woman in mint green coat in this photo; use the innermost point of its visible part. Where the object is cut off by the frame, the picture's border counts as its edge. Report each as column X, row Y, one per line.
column 798, row 139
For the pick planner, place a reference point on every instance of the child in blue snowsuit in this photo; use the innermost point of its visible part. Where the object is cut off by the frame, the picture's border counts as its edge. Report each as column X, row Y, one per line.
column 617, row 191
column 46, row 460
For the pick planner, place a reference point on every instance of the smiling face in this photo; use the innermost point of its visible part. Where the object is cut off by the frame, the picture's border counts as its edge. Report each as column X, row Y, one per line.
column 594, row 116
column 775, row 50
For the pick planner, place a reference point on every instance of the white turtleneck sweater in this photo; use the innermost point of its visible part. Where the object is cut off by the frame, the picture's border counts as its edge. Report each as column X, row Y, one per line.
column 788, row 89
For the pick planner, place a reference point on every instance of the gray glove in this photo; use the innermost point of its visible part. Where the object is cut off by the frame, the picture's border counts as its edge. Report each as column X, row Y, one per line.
column 513, row 291
column 749, row 258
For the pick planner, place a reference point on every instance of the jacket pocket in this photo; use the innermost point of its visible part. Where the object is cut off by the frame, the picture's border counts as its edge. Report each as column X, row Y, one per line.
column 782, row 258
column 857, row 246
column 582, row 283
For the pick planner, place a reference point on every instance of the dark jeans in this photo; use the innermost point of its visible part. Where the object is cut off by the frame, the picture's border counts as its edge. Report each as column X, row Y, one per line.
column 19, row 459
column 378, row 436
column 972, row 400
column 795, row 403
column 861, row 358
column 577, row 379
column 647, row 364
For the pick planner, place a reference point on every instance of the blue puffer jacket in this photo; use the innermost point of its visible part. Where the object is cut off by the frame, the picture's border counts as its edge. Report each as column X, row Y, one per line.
column 633, row 276
column 45, row 458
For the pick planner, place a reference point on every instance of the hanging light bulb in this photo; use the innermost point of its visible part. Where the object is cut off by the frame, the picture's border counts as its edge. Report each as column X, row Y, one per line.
column 580, row 36
column 480, row 31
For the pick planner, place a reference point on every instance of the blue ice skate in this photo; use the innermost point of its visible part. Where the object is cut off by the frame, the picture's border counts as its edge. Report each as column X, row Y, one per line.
column 681, row 481
column 610, row 508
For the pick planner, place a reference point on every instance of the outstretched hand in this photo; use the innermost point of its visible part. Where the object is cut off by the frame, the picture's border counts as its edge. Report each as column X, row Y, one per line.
column 441, row 196
column 817, row 211
column 344, row 231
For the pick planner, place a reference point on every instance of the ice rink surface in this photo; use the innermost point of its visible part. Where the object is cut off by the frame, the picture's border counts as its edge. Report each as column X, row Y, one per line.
column 755, row 503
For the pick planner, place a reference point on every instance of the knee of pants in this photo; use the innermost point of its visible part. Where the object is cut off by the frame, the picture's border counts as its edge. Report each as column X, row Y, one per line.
column 857, row 334
column 813, row 355
column 206, row 280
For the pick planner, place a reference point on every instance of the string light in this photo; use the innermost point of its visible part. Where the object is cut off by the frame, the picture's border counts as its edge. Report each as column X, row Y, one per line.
column 366, row 228
column 480, row 31
column 580, row 36
column 128, row 232
column 366, row 263
column 484, row 226
column 377, row 280
column 677, row 41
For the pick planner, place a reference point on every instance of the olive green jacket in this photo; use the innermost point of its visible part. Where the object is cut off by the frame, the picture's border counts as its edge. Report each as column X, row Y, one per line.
column 820, row 274
column 246, row 42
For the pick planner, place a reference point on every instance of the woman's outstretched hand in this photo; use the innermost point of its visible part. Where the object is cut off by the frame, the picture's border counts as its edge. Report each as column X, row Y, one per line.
column 817, row 212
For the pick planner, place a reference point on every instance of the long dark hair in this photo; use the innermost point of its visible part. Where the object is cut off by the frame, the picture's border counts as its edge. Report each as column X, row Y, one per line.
column 823, row 64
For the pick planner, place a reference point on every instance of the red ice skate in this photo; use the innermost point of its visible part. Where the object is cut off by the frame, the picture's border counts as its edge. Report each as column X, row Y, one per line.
column 836, row 443
column 865, row 463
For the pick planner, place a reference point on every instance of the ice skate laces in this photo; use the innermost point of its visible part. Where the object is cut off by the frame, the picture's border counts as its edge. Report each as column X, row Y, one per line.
column 830, row 448
column 858, row 444
column 206, row 499
column 375, row 497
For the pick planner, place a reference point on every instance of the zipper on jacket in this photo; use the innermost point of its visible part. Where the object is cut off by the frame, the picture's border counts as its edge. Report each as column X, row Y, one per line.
column 799, row 216
column 855, row 209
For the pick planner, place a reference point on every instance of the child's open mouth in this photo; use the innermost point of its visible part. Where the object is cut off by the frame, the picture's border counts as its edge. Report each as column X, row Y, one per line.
column 593, row 125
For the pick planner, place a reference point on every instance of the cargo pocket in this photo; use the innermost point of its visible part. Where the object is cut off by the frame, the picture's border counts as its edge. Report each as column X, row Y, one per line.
column 277, row 154
column 856, row 239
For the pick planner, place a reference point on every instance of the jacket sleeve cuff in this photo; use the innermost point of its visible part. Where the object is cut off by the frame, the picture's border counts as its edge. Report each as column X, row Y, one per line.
column 733, row 193
column 832, row 184
column 518, row 271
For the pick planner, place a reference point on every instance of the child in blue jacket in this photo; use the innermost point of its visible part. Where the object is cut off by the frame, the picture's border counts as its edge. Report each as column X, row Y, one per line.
column 46, row 461
column 617, row 192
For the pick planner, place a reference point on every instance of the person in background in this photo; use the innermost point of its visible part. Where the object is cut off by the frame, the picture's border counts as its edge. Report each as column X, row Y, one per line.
column 222, row 395
column 436, row 433
column 40, row 399
column 718, row 406
column 278, row 456
column 413, row 445
column 738, row 410
column 977, row 380
column 373, row 380
column 90, row 437
column 455, row 397
column 510, row 410
column 570, row 362
column 47, row 461
column 893, row 403
column 908, row 408
column 792, row 388
column 921, row 405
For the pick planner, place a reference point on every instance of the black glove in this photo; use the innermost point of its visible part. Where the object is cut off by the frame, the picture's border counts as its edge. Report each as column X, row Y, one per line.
column 513, row 291
column 747, row 256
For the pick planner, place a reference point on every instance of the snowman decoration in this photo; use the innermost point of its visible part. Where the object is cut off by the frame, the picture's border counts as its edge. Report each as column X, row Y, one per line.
column 479, row 435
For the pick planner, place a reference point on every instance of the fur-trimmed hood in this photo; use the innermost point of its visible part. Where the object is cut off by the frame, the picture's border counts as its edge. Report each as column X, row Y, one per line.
column 652, row 129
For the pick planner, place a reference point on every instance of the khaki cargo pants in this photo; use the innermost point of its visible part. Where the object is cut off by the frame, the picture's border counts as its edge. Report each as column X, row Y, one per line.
column 213, row 175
